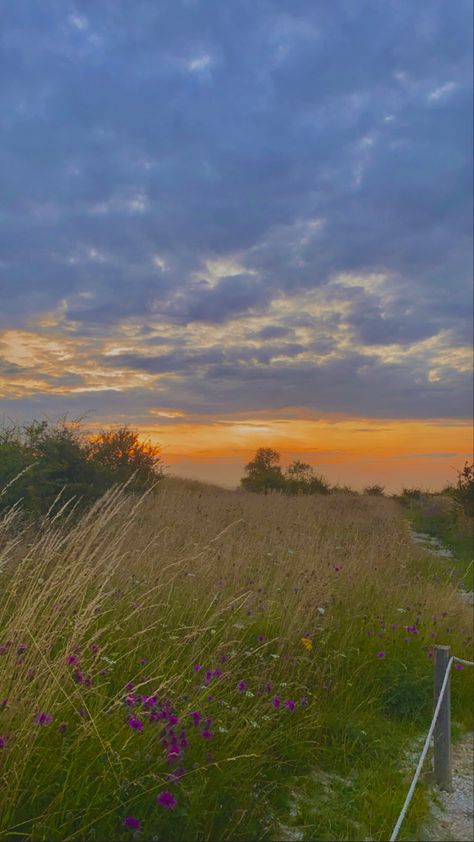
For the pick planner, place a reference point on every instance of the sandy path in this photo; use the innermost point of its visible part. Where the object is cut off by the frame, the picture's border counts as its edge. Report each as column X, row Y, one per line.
column 452, row 816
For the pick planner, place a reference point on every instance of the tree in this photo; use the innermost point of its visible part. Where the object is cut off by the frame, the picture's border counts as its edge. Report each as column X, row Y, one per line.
column 121, row 456
column 464, row 493
column 263, row 472
column 301, row 479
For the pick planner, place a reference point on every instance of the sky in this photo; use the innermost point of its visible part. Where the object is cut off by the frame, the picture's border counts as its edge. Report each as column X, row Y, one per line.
column 241, row 224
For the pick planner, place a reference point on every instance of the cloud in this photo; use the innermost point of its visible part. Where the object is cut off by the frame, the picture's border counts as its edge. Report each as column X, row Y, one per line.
column 277, row 198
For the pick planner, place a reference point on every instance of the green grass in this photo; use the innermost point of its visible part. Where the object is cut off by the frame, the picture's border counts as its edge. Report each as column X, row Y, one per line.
column 199, row 576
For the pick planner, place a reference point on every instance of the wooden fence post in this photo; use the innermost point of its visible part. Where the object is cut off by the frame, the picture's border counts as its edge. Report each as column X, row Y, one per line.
column 442, row 732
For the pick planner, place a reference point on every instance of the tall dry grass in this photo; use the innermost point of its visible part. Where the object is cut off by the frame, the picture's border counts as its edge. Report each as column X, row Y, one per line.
column 143, row 592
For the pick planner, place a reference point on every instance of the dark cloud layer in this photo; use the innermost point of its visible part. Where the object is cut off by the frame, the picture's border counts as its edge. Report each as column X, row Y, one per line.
column 147, row 144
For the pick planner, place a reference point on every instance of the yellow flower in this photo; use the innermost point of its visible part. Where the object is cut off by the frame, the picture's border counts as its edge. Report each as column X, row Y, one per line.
column 307, row 643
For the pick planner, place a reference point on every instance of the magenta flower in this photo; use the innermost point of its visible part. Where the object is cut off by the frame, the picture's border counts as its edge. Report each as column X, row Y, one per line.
column 130, row 686
column 276, row 702
column 173, row 719
column 217, row 673
column 89, row 681
column 290, row 704
column 130, row 699
column 304, row 702
column 242, row 686
column 134, row 723
column 72, row 660
column 22, row 647
column 412, row 629
column 206, row 734
column 167, row 800
column 2, row 742
column 261, row 638
column 132, row 823
column 44, row 719
column 196, row 717
column 458, row 666
column 174, row 776
column 380, row 654
column 78, row 676
column 94, row 648
column 197, row 667
column 143, row 661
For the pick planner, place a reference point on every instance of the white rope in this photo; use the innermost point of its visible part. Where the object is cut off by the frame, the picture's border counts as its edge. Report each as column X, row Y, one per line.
column 424, row 752
column 462, row 661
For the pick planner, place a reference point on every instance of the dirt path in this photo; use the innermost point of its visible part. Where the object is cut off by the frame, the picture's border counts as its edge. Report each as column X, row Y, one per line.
column 452, row 817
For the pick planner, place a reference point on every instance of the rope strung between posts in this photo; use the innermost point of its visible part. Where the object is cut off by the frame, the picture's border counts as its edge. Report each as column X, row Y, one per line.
column 426, row 746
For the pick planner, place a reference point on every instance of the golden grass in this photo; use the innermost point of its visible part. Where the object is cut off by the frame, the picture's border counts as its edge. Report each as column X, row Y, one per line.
column 193, row 574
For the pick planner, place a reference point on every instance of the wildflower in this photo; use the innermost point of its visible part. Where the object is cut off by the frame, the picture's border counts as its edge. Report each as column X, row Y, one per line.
column 63, row 727
column 78, row 676
column 89, row 681
column 197, row 667
column 261, row 638
column 2, row 742
column 206, row 734
column 173, row 719
column 174, row 776
column 167, row 800
column 458, row 666
column 130, row 686
column 304, row 702
column 290, row 705
column 150, row 701
column 242, row 686
column 208, row 677
column 94, row 648
column 22, row 648
column 276, row 702
column 196, row 717
column 132, row 823
column 217, row 673
column 143, row 661
column 44, row 719
column 130, row 699
column 412, row 629
column 135, row 723
column 380, row 654
column 72, row 660
column 307, row 643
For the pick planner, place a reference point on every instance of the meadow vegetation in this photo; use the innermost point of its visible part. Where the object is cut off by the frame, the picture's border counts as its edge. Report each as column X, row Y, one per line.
column 202, row 664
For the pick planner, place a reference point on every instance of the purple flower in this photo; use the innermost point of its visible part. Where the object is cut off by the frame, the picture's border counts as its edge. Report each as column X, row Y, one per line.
column 458, row 666
column 130, row 699
column 276, row 702
column 217, row 673
column 143, row 661
column 412, row 629
column 261, row 638
column 44, row 719
column 89, row 681
column 167, row 800
column 196, row 717
column 206, row 734
column 2, row 742
column 173, row 719
column 150, row 701
column 290, row 704
column 130, row 686
column 22, row 647
column 242, row 686
column 380, row 654
column 197, row 667
column 174, row 776
column 132, row 823
column 304, row 702
column 94, row 648
column 78, row 676
column 72, row 660
column 135, row 723
column 63, row 727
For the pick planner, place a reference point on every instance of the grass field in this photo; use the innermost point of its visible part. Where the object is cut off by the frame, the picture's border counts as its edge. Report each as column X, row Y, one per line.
column 203, row 664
